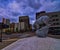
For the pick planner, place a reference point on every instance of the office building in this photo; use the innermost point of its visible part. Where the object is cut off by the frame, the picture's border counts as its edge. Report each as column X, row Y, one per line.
column 6, row 21
column 24, row 23
column 54, row 19
column 12, row 27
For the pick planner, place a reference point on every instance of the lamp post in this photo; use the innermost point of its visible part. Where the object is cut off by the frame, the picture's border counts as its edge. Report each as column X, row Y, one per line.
column 2, row 26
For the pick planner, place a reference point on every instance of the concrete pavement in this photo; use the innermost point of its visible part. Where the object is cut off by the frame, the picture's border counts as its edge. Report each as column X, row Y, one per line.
column 35, row 43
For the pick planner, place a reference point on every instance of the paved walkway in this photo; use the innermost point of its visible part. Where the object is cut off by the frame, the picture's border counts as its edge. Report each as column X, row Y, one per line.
column 35, row 43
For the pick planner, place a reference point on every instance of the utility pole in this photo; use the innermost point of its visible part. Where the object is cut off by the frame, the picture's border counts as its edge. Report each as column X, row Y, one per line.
column 0, row 32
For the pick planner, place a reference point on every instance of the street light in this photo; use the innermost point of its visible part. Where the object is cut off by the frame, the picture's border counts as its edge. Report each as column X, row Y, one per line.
column 2, row 26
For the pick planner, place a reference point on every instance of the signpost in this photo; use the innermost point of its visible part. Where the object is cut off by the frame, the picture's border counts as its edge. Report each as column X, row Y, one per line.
column 2, row 26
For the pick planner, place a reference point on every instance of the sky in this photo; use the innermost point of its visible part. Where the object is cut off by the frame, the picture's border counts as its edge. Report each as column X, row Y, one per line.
column 12, row 9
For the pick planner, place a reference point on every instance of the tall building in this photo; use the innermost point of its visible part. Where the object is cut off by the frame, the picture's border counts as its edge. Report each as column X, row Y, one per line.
column 24, row 23
column 6, row 21
column 24, row 19
column 54, row 19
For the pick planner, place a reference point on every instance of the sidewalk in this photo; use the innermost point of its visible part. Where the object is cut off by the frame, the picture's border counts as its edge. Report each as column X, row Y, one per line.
column 35, row 43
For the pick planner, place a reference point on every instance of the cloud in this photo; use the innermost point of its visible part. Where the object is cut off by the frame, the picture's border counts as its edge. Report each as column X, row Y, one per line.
column 49, row 5
column 34, row 4
column 12, row 9
column 14, row 6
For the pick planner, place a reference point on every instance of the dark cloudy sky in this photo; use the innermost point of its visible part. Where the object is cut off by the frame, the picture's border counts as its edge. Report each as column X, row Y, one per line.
column 12, row 9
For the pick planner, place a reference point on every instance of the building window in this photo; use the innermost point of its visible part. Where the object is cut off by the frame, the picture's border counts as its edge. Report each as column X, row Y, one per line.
column 54, row 23
column 57, row 19
column 53, row 20
column 57, row 23
column 54, row 15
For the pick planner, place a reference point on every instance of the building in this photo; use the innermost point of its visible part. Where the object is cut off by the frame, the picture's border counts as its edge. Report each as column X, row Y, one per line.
column 17, row 27
column 30, row 27
column 6, row 21
column 42, row 13
column 54, row 20
column 12, row 27
column 24, row 23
